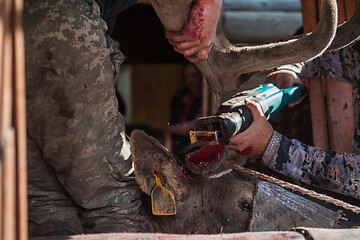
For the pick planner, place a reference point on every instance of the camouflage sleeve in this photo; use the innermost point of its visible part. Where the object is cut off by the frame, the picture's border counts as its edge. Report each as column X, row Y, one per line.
column 328, row 170
column 333, row 65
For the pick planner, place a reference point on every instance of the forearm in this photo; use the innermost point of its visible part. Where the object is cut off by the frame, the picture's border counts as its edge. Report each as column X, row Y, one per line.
column 311, row 165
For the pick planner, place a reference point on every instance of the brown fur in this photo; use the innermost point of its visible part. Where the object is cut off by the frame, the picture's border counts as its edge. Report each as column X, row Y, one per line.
column 204, row 204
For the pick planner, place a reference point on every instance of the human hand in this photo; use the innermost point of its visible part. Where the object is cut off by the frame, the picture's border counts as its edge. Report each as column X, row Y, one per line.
column 198, row 36
column 285, row 79
column 253, row 141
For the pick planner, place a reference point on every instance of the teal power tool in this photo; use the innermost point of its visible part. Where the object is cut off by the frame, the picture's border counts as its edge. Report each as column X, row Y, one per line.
column 234, row 117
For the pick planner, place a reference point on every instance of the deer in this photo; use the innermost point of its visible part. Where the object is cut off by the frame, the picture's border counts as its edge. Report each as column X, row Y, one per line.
column 223, row 200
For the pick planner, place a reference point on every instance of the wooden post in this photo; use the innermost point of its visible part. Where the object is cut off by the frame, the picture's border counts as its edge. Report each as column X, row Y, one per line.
column 6, row 131
column 2, row 19
column 330, row 101
column 350, row 6
column 310, row 11
column 339, row 99
column 13, row 183
column 20, row 120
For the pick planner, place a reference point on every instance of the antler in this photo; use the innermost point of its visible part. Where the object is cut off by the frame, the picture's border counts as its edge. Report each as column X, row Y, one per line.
column 347, row 32
column 226, row 63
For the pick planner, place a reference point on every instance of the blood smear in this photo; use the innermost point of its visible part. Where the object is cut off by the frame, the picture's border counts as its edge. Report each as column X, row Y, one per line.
column 206, row 155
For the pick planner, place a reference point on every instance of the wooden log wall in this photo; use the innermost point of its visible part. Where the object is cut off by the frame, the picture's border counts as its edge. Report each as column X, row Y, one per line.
column 260, row 21
column 330, row 101
column 13, row 184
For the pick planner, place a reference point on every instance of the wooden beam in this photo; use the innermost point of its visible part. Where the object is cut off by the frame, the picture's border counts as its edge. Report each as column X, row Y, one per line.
column 20, row 120
column 2, row 26
column 318, row 113
column 261, row 5
column 340, row 115
column 350, row 6
column 260, row 26
column 7, row 137
column 310, row 16
column 340, row 109
column 341, row 11
column 310, row 11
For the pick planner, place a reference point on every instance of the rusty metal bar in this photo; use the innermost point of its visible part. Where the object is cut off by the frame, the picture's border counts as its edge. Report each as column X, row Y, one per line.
column 20, row 120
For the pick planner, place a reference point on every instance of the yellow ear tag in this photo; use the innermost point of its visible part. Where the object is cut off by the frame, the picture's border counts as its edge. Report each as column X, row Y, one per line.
column 162, row 200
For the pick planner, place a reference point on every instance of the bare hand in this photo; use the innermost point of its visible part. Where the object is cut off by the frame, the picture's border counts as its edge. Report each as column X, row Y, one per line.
column 198, row 36
column 253, row 141
column 285, row 79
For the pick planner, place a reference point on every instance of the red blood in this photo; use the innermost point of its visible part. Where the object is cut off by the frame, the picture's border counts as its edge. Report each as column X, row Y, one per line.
column 186, row 177
column 195, row 27
column 206, row 155
column 246, row 151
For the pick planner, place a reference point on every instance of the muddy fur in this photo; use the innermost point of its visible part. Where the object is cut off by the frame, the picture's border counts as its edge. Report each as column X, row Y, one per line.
column 205, row 204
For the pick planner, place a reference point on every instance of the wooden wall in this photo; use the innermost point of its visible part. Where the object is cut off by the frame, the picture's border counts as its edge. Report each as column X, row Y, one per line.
column 260, row 21
column 331, row 120
column 13, row 181
column 153, row 86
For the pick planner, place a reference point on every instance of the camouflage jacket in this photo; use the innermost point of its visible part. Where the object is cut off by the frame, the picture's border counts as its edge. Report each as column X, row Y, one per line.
column 337, row 172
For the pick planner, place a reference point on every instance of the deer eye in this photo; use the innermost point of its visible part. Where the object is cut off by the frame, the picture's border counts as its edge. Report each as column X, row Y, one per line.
column 245, row 206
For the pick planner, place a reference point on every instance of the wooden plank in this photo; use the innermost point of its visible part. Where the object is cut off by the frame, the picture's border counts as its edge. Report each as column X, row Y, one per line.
column 2, row 32
column 310, row 16
column 318, row 113
column 350, row 6
column 20, row 121
column 2, row 21
column 341, row 11
column 318, row 6
column 339, row 102
column 260, row 26
column 316, row 90
column 262, row 5
column 7, row 71
column 284, row 235
column 7, row 135
column 9, row 185
column 153, row 87
column 340, row 115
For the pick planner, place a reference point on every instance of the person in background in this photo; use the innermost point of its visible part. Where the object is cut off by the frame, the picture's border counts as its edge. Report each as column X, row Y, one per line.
column 329, row 170
column 185, row 109
column 80, row 172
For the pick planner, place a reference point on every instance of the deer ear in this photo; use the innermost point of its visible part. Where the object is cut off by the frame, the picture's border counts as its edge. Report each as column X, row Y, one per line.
column 151, row 157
